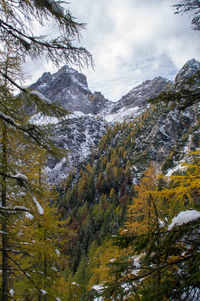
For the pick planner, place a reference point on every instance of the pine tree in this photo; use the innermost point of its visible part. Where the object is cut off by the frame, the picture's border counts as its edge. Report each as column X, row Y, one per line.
column 41, row 255
column 10, row 67
column 143, row 213
column 18, row 161
column 39, row 240
column 161, row 261
column 19, row 137
column 4, row 219
column 187, row 6
column 17, row 29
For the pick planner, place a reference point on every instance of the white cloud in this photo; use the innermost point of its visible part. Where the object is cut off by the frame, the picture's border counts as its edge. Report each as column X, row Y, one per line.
column 132, row 41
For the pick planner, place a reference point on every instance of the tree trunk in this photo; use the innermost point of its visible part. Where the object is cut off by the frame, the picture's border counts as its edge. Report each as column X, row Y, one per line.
column 45, row 268
column 4, row 223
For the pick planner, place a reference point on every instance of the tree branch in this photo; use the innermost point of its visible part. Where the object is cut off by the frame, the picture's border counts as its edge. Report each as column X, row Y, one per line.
column 27, row 275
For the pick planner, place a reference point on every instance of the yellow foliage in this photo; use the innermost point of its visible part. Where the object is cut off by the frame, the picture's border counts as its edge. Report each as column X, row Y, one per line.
column 184, row 190
column 99, row 268
column 88, row 167
column 143, row 213
column 112, row 193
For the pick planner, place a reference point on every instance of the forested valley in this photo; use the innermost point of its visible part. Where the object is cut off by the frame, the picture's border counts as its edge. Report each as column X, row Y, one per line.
column 103, row 204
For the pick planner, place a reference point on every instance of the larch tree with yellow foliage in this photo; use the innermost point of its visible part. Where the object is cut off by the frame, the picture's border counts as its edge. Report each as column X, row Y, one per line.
column 39, row 239
column 19, row 37
column 144, row 211
column 162, row 261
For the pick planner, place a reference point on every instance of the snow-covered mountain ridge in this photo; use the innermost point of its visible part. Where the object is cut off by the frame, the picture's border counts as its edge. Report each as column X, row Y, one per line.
column 69, row 89
column 92, row 114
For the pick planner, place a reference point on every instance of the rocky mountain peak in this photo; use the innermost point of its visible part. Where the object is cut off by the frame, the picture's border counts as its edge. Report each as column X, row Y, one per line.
column 138, row 96
column 80, row 132
column 66, row 69
column 188, row 70
column 73, row 77
column 69, row 89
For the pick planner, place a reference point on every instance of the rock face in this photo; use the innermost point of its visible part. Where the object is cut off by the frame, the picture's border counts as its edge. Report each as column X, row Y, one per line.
column 188, row 70
column 69, row 89
column 163, row 131
column 78, row 136
column 135, row 101
column 140, row 94
column 168, row 131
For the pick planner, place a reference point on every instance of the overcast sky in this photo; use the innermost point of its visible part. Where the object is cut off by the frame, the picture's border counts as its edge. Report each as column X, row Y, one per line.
column 131, row 41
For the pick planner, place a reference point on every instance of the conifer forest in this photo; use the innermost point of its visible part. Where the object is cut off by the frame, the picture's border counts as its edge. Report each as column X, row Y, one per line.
column 99, row 200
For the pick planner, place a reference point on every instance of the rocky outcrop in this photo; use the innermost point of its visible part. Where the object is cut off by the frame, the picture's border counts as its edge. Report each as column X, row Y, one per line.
column 69, row 89
column 77, row 136
column 189, row 70
column 139, row 95
column 169, row 130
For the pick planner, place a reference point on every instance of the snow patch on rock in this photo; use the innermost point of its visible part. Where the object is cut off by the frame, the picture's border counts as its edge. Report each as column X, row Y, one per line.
column 123, row 114
column 39, row 207
column 184, row 217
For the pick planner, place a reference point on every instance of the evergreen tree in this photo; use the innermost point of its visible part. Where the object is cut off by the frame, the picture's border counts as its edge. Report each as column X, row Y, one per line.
column 36, row 242
column 17, row 27
column 9, row 160
column 19, row 137
column 187, row 6
column 41, row 258
column 143, row 213
column 161, row 260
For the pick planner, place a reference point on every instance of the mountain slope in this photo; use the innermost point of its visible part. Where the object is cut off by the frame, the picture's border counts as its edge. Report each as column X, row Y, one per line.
column 98, row 195
column 111, row 147
column 82, row 131
column 77, row 135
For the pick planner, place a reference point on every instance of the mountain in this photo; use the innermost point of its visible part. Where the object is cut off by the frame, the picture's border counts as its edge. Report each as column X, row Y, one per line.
column 78, row 135
column 69, row 89
column 112, row 145
column 157, row 131
column 188, row 71
column 135, row 101
column 92, row 114
column 140, row 94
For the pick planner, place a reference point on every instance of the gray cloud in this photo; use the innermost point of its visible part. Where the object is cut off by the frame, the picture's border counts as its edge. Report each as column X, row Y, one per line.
column 131, row 41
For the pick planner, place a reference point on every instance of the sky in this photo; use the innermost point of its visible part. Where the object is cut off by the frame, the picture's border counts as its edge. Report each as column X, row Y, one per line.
column 131, row 41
